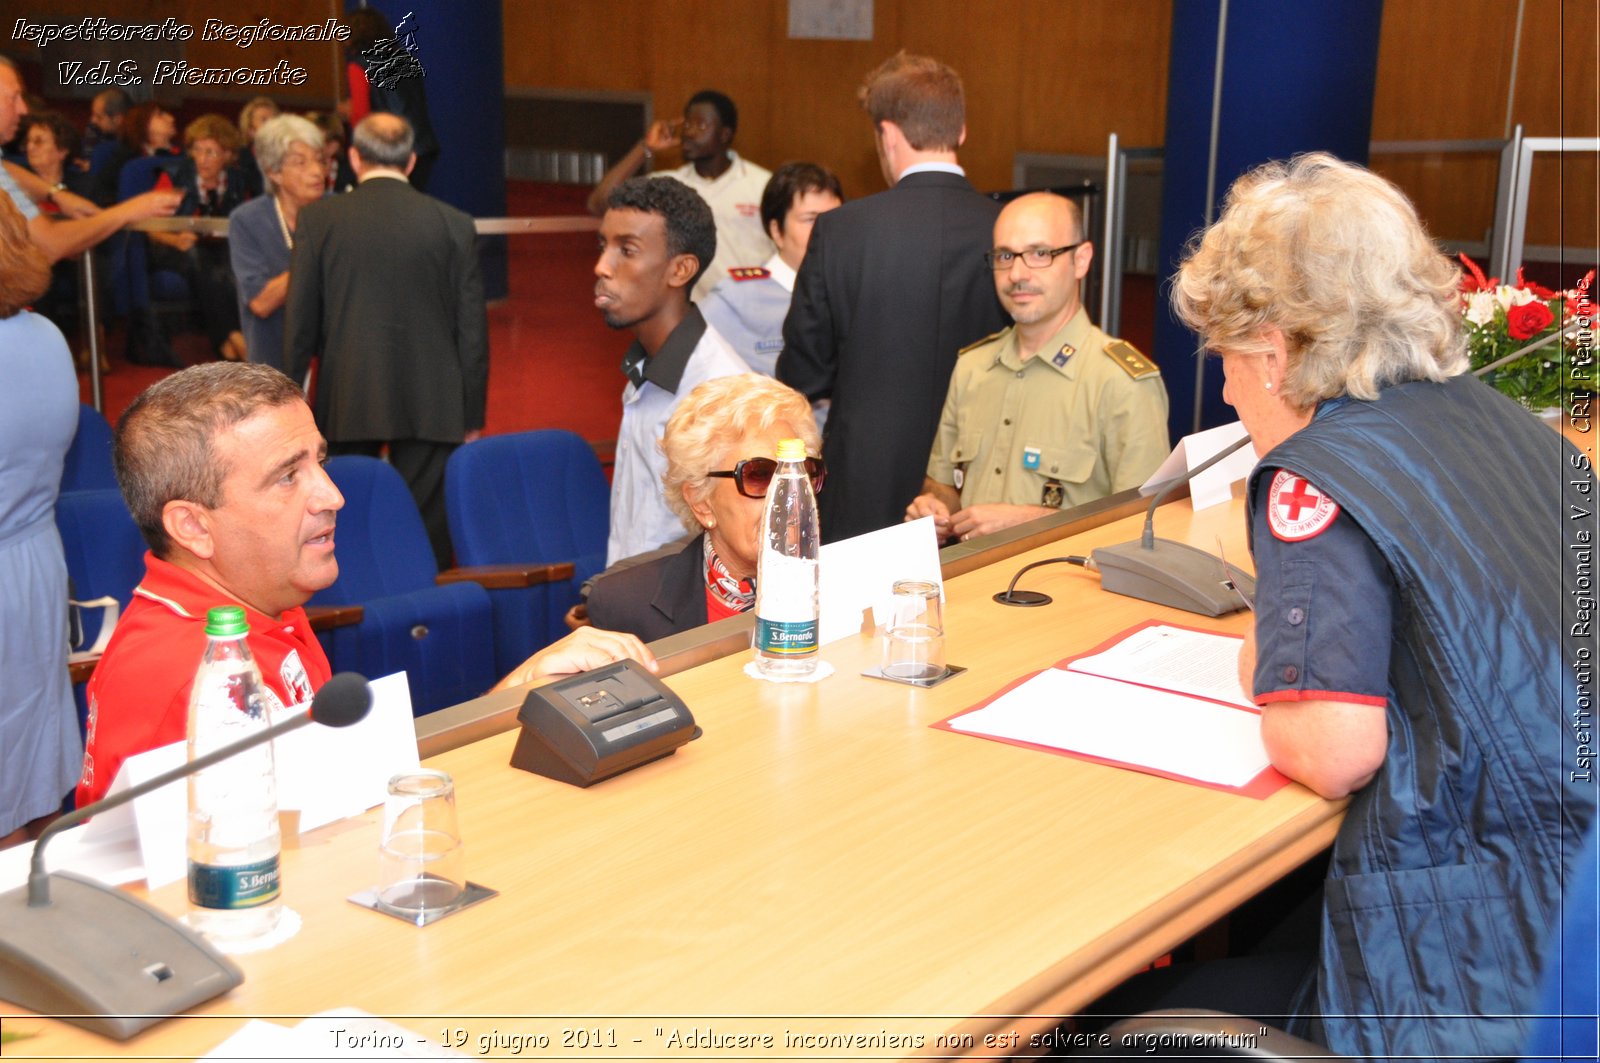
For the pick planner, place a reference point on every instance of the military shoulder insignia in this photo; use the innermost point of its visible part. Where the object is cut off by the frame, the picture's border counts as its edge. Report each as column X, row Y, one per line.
column 749, row 273
column 1296, row 510
column 1127, row 356
column 990, row 338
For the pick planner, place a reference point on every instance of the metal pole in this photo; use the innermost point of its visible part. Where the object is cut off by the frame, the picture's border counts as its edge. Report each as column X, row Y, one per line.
column 1111, row 248
column 91, row 318
column 1505, row 206
column 1211, row 187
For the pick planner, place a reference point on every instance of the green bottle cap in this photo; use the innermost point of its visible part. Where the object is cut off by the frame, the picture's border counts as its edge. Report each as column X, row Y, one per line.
column 224, row 621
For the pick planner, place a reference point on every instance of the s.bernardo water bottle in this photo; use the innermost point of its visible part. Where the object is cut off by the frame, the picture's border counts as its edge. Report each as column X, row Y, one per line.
column 233, row 805
column 786, row 578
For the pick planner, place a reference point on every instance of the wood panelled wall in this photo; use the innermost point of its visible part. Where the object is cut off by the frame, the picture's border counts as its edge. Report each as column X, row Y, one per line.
column 1445, row 73
column 1052, row 77
column 1059, row 76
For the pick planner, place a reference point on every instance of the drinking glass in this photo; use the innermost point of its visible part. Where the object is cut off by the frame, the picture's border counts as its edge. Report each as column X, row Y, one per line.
column 420, row 862
column 913, row 644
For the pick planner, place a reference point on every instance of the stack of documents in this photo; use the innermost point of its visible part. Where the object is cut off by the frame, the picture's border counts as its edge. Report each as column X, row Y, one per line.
column 1160, row 698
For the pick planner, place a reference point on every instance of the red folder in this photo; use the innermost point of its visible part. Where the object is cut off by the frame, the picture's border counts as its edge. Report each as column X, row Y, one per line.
column 1265, row 784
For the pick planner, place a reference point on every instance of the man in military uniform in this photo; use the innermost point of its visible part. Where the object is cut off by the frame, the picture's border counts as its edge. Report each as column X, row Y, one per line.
column 749, row 305
column 1051, row 412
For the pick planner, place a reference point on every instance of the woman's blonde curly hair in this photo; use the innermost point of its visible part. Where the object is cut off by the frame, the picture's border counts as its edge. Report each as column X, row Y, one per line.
column 718, row 413
column 1335, row 258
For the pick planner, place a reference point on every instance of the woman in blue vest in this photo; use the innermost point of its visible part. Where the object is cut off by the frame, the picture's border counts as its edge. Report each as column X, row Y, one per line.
column 1418, row 541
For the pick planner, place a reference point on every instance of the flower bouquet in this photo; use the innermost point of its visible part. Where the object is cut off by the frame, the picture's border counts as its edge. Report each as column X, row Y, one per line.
column 1500, row 319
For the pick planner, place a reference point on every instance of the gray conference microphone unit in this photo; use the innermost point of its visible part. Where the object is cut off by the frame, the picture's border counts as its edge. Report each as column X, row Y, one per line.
column 97, row 957
column 1171, row 573
column 600, row 723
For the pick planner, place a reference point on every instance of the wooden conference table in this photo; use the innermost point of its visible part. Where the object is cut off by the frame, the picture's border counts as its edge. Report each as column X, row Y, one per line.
column 820, row 863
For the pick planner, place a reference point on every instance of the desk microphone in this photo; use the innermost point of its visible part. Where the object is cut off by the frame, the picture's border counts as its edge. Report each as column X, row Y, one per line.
column 97, row 957
column 1157, row 570
column 1171, row 573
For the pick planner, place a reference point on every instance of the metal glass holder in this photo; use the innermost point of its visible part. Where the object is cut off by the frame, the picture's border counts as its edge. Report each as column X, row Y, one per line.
column 471, row 895
column 950, row 672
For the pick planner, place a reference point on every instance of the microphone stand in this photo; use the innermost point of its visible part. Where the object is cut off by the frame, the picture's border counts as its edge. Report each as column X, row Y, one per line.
column 1171, row 573
column 39, row 879
column 100, row 958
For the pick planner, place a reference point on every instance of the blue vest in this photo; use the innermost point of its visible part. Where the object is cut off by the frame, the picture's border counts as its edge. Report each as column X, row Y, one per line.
column 1446, row 877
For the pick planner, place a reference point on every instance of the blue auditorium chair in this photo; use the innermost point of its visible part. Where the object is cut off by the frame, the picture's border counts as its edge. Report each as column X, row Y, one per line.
column 534, row 506
column 439, row 634
column 88, row 465
column 105, row 559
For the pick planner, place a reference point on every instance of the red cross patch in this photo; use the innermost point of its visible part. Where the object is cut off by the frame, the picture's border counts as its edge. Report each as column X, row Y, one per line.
column 1297, row 510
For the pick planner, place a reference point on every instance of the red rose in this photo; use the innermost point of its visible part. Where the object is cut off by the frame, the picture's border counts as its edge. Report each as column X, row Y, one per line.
column 1528, row 320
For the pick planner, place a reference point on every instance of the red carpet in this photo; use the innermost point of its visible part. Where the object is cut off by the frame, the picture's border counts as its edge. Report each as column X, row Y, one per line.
column 552, row 361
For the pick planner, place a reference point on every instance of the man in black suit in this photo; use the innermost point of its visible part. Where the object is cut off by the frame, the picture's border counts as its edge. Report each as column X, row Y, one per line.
column 892, row 287
column 384, row 284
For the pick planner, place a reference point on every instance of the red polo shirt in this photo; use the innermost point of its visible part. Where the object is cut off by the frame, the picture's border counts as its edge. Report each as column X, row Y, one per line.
column 139, row 693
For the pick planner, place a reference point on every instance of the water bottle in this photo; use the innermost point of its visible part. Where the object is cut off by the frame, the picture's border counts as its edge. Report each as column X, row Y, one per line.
column 786, row 579
column 233, row 805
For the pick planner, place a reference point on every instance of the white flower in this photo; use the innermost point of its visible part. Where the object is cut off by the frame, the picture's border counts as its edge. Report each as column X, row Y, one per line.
column 1508, row 296
column 1481, row 307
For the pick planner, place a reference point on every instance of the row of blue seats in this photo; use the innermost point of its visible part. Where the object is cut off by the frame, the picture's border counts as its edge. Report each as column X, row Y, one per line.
column 529, row 516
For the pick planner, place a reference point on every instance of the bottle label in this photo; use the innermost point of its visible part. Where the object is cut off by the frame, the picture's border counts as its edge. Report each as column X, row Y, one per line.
column 775, row 638
column 233, row 886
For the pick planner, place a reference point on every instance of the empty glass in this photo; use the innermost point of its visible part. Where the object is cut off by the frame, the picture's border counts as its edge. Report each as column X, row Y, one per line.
column 913, row 643
column 421, row 869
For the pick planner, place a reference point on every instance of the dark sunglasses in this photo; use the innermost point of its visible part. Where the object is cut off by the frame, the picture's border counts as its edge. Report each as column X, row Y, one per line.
column 753, row 476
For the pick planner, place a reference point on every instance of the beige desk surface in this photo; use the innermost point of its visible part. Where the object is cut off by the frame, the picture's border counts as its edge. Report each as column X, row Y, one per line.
column 821, row 857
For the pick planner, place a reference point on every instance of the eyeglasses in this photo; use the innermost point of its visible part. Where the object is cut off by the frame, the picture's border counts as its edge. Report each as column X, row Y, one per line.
column 1034, row 258
column 753, row 476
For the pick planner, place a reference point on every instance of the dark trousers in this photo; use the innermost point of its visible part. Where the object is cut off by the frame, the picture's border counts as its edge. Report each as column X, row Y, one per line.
column 421, row 465
column 206, row 269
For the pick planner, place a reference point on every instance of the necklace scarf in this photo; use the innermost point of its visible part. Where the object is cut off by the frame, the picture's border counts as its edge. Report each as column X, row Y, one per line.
column 734, row 593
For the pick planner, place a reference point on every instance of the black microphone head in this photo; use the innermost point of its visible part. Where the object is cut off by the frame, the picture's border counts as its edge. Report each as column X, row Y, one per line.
column 342, row 701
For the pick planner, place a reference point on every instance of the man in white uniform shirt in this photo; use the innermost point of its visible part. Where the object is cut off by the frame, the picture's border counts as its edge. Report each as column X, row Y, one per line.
column 654, row 238
column 749, row 306
column 729, row 184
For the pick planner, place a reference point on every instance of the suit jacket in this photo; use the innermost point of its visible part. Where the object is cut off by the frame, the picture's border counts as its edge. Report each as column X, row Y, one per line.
column 892, row 287
column 654, row 599
column 384, row 284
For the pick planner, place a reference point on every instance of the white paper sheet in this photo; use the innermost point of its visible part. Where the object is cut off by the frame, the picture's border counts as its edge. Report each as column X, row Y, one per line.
column 860, row 573
column 114, row 847
column 1215, row 485
column 328, row 773
column 325, row 773
column 112, row 860
column 1134, row 725
column 1190, row 662
column 159, row 819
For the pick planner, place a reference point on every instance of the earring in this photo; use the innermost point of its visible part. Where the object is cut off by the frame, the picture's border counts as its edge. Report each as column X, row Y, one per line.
column 1269, row 385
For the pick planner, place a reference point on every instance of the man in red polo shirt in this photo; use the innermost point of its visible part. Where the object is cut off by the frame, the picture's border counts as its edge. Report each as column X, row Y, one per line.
column 221, row 466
